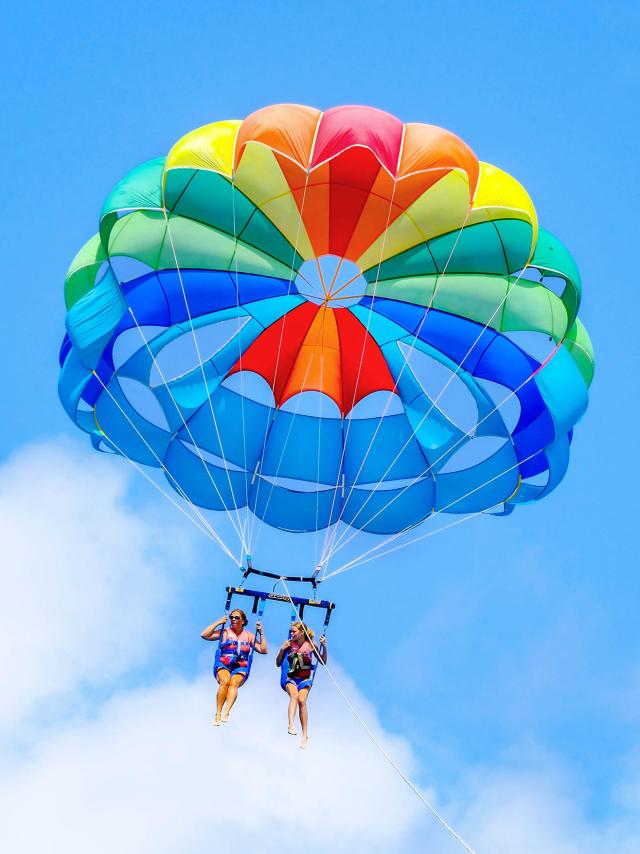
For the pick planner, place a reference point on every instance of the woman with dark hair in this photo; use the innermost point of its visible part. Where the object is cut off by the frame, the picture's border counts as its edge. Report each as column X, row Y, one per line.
column 295, row 660
column 231, row 665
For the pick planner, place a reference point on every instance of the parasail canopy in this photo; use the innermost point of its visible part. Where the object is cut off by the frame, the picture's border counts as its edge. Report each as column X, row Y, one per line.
column 323, row 317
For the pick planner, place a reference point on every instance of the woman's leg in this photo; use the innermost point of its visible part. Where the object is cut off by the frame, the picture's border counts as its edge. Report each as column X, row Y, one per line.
column 304, row 714
column 232, row 692
column 223, row 676
column 292, row 691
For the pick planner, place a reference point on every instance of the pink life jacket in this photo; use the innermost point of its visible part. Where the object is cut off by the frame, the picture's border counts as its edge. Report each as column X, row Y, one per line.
column 235, row 649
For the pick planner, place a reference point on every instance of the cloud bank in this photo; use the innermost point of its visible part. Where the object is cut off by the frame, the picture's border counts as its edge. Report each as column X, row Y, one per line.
column 99, row 761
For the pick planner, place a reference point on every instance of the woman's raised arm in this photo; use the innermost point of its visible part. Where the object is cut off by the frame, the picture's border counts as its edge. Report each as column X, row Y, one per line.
column 261, row 645
column 281, row 652
column 322, row 652
column 212, row 632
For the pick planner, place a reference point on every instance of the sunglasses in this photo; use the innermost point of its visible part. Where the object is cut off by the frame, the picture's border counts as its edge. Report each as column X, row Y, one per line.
column 236, row 617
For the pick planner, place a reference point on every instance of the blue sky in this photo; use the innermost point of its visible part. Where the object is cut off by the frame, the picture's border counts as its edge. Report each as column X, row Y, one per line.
column 524, row 649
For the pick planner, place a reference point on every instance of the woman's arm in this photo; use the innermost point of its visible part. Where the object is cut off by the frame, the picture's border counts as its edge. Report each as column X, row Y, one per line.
column 261, row 645
column 212, row 633
column 322, row 652
column 281, row 652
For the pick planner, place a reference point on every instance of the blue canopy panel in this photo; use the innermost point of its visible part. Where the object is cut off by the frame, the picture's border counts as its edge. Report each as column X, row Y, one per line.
column 389, row 508
column 157, row 298
column 563, row 390
column 488, row 355
column 216, row 486
column 300, row 467
column 304, row 448
column 381, row 450
column 65, row 349
column 235, row 434
column 291, row 509
column 557, row 456
column 125, row 428
column 74, row 376
column 183, row 394
column 437, row 434
column 480, row 487
column 480, row 352
column 91, row 321
column 158, row 302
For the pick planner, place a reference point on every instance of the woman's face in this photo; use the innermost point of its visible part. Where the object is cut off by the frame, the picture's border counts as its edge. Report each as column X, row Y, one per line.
column 297, row 634
column 235, row 618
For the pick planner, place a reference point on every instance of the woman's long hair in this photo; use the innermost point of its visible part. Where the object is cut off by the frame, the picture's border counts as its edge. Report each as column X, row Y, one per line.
column 308, row 633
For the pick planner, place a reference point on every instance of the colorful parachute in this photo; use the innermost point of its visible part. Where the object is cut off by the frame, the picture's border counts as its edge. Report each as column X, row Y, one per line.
column 328, row 316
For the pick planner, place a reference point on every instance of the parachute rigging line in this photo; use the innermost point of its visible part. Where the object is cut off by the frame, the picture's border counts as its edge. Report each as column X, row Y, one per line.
column 457, row 500
column 317, row 534
column 244, row 431
column 207, row 529
column 179, row 411
column 341, row 539
column 397, row 380
column 359, row 373
column 298, row 401
column 238, row 526
column 377, row 744
column 271, row 421
column 282, row 453
column 342, row 542
column 360, row 562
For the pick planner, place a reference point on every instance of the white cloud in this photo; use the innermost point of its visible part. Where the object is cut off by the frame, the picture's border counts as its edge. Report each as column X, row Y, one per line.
column 150, row 774
column 85, row 600
column 82, row 590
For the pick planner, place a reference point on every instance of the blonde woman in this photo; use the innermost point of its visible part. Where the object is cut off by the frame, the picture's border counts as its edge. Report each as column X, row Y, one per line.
column 295, row 660
column 231, row 665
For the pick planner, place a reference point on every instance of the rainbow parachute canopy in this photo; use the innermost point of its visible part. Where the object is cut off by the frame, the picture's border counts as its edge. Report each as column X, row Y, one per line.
column 328, row 316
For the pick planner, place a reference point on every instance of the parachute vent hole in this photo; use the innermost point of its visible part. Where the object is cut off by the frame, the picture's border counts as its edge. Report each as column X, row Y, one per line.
column 331, row 280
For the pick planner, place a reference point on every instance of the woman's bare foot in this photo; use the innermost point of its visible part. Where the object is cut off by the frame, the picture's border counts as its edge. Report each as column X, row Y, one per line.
column 225, row 717
column 292, row 731
column 217, row 721
column 304, row 742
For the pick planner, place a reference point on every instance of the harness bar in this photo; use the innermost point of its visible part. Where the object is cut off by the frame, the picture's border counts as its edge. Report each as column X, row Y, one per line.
column 307, row 579
column 300, row 602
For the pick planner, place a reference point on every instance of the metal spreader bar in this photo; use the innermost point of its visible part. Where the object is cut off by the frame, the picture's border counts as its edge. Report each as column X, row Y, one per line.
column 298, row 601
column 306, row 579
